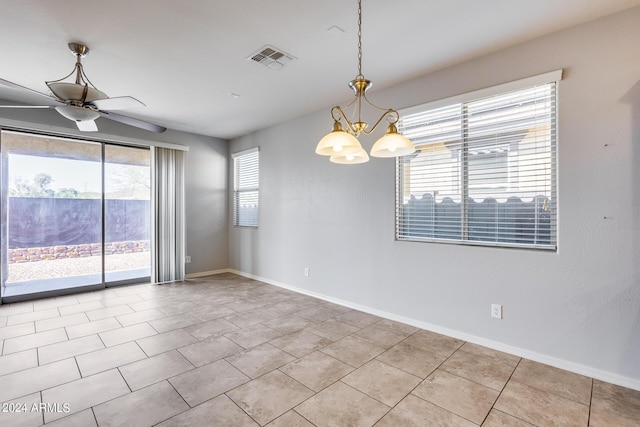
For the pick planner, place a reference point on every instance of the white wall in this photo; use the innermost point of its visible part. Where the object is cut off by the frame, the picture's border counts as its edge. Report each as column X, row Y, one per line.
column 205, row 180
column 578, row 308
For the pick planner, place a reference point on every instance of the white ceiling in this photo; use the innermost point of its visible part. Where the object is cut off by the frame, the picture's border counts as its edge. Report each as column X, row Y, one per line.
column 183, row 58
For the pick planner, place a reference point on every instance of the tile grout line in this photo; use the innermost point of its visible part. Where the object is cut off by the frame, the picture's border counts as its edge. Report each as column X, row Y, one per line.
column 92, row 407
column 371, row 397
column 315, row 393
column 422, row 380
column 254, row 379
column 473, row 381
column 189, row 407
column 94, row 415
column 391, row 408
column 500, row 394
column 485, row 356
column 75, row 359
column 234, row 402
column 590, row 403
column 554, row 393
column 125, row 380
column 40, row 393
column 308, row 420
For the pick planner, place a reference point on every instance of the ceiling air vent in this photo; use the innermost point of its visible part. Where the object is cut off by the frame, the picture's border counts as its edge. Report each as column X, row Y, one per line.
column 271, row 57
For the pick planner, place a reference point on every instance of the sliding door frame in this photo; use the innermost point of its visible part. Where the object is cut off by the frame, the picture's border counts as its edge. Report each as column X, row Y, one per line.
column 4, row 198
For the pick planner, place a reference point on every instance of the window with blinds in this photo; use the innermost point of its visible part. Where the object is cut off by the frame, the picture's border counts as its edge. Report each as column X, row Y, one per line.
column 246, row 180
column 484, row 171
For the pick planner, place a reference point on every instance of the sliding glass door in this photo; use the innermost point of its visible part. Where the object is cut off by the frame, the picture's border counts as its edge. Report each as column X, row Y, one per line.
column 127, row 215
column 75, row 215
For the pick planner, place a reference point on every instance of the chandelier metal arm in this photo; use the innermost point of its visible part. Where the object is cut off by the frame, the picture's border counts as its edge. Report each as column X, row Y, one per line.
column 350, row 127
column 364, row 95
column 337, row 113
column 340, row 110
column 392, row 117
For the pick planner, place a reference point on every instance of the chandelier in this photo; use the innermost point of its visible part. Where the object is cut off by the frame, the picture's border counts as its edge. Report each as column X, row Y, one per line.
column 343, row 145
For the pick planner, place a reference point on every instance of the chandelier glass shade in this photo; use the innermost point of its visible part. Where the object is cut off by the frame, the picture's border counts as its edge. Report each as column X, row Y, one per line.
column 392, row 144
column 350, row 159
column 338, row 142
column 342, row 144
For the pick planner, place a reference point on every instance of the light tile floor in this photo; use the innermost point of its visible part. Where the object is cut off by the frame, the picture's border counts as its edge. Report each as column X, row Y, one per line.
column 229, row 351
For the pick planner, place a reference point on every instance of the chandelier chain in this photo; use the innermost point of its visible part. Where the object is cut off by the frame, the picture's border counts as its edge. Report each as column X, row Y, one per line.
column 360, row 38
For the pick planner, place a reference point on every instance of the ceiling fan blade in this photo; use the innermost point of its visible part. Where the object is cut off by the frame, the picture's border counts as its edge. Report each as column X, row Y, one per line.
column 87, row 125
column 12, row 85
column 27, row 106
column 117, row 103
column 133, row 122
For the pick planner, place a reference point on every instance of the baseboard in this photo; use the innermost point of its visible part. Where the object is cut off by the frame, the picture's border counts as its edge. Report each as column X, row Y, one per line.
column 496, row 345
column 210, row 273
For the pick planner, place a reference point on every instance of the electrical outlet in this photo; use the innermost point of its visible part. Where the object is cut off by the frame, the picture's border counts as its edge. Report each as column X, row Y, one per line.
column 496, row 311
column 187, row 259
column 306, row 272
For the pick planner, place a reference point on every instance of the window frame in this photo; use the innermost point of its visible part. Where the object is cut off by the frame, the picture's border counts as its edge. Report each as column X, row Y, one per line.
column 237, row 192
column 463, row 99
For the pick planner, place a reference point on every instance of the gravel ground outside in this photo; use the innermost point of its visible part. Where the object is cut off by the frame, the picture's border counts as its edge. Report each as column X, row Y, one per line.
column 49, row 269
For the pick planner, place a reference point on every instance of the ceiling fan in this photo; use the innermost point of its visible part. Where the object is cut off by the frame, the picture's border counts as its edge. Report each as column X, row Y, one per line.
column 81, row 101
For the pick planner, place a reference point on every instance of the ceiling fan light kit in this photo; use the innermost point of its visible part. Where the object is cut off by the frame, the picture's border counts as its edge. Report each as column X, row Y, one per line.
column 77, row 114
column 82, row 102
column 343, row 146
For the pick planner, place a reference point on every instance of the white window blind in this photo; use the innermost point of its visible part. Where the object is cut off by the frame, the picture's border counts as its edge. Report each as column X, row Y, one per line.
column 484, row 171
column 246, row 180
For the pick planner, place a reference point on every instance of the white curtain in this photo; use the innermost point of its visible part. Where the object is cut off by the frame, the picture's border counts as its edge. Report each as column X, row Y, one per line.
column 168, row 237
